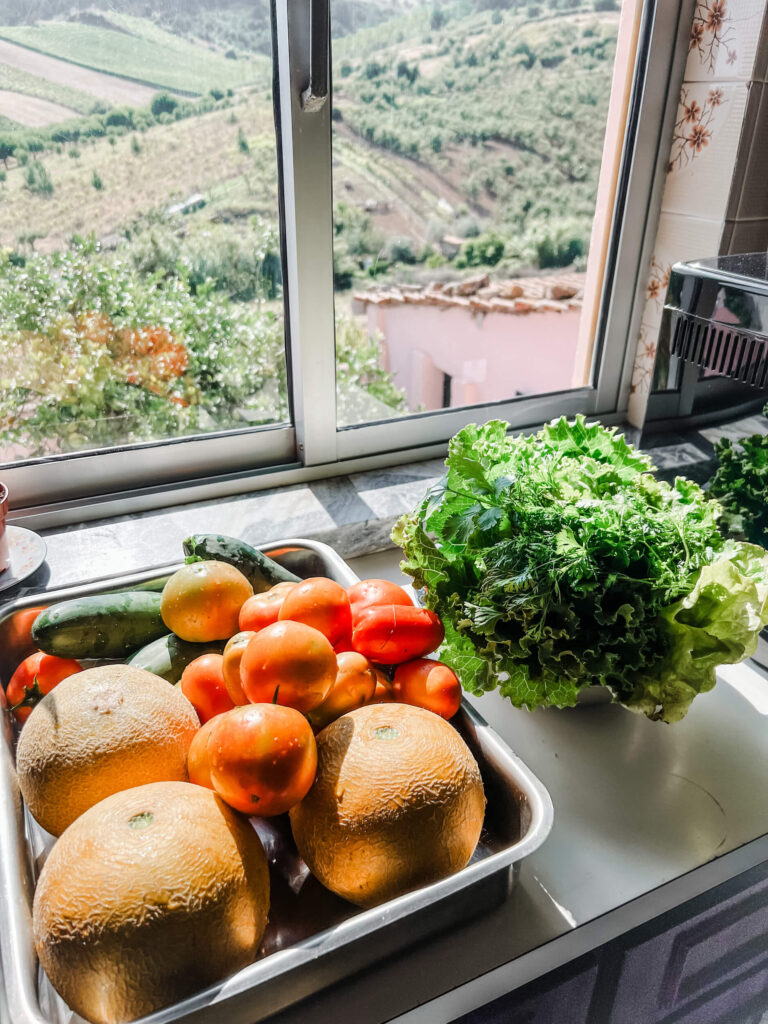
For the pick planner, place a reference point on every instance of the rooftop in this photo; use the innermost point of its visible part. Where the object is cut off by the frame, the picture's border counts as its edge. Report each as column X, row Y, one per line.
column 553, row 293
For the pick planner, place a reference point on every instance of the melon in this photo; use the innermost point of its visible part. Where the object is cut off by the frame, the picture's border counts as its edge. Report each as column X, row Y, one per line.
column 107, row 729
column 397, row 803
column 151, row 895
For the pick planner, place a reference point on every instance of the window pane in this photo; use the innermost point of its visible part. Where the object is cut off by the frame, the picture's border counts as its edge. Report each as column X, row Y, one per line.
column 468, row 139
column 140, row 271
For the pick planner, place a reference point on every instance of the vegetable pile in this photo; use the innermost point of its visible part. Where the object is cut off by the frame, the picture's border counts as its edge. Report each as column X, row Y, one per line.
column 558, row 561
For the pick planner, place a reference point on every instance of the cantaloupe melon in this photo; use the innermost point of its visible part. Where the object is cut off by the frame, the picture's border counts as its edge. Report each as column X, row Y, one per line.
column 149, row 896
column 101, row 731
column 397, row 803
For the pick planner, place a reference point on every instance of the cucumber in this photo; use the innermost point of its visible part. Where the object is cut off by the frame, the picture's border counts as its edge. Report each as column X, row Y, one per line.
column 170, row 655
column 102, row 626
column 260, row 571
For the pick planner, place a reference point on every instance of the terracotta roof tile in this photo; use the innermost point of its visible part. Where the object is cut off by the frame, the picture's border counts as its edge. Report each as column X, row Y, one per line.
column 549, row 293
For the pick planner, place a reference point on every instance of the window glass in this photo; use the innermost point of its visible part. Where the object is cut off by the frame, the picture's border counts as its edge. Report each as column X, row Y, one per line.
column 467, row 146
column 140, row 270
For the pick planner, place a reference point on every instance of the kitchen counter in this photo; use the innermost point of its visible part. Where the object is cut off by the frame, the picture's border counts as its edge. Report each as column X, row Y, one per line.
column 647, row 816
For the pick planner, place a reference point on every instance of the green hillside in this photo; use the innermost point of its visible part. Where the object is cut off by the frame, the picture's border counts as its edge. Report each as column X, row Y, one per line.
column 143, row 51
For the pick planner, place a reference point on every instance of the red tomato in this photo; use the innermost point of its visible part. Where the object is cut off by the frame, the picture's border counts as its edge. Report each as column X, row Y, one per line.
column 428, row 684
column 263, row 758
column 35, row 676
column 233, row 656
column 202, row 683
column 263, row 609
column 391, row 634
column 354, row 686
column 370, row 593
column 288, row 663
column 198, row 757
column 344, row 645
column 322, row 604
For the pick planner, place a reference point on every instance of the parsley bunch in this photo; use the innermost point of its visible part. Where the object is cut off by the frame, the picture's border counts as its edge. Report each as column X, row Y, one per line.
column 558, row 561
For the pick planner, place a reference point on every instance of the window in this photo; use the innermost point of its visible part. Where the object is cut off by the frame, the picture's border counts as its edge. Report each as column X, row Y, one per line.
column 295, row 237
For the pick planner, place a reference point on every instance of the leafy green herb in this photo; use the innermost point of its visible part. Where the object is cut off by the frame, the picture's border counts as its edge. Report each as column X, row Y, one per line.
column 741, row 486
column 558, row 561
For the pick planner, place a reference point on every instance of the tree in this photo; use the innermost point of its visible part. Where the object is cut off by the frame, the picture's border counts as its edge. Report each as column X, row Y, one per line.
column 7, row 149
column 437, row 19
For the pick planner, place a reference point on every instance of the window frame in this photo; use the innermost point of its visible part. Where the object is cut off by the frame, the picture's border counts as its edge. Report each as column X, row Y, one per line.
column 87, row 485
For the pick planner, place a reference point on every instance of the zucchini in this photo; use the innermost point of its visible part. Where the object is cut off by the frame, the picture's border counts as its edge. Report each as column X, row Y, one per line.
column 170, row 655
column 260, row 571
column 102, row 626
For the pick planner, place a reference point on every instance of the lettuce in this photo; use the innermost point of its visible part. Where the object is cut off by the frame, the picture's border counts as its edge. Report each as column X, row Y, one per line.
column 558, row 561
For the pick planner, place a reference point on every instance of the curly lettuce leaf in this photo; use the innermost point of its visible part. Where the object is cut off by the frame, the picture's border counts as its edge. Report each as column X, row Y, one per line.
column 717, row 623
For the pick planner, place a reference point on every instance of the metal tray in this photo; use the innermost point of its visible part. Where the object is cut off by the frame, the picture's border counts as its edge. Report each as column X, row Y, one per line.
column 314, row 938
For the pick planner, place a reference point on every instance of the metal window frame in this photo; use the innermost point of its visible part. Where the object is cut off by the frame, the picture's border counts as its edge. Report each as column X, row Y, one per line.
column 90, row 485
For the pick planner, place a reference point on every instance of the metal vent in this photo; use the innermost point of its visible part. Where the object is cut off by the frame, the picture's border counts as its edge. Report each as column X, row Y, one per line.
column 721, row 349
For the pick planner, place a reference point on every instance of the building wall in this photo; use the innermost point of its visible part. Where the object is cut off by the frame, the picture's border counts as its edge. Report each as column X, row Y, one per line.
column 490, row 357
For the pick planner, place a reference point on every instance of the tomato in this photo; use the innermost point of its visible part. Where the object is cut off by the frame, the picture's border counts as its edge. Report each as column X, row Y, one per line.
column 233, row 656
column 35, row 676
column 370, row 593
column 143, row 341
column 202, row 683
column 354, row 686
column 391, row 634
column 202, row 601
column 198, row 757
column 263, row 758
column 343, row 645
column 428, row 684
column 263, row 609
column 322, row 604
column 288, row 663
column 18, row 640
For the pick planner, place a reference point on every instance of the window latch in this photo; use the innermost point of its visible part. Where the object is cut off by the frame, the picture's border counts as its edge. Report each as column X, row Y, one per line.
column 314, row 96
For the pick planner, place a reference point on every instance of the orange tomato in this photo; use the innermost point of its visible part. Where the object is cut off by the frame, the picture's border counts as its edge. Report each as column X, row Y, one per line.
column 354, row 686
column 34, row 677
column 18, row 636
column 198, row 757
column 428, row 684
column 322, row 604
column 143, row 341
column 202, row 683
column 263, row 758
column 233, row 656
column 392, row 634
column 201, row 602
column 369, row 593
column 288, row 663
column 263, row 609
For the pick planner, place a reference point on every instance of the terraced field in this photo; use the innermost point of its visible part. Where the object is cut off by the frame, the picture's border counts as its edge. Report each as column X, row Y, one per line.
column 39, row 75
column 141, row 51
column 31, row 110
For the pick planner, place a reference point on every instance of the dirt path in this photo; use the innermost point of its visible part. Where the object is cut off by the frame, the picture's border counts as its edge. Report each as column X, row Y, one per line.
column 106, row 87
column 31, row 111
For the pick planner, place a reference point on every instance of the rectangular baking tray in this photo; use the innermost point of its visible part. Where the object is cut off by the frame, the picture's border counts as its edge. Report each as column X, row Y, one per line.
column 314, row 939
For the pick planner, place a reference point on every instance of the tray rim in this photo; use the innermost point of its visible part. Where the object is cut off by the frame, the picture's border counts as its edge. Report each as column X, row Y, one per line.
column 19, row 968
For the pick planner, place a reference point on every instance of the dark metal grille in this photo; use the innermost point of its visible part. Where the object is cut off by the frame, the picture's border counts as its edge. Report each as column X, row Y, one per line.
column 721, row 349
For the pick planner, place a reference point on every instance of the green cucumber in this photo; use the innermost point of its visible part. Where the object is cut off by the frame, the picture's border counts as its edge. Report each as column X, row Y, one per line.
column 170, row 655
column 260, row 571
column 102, row 626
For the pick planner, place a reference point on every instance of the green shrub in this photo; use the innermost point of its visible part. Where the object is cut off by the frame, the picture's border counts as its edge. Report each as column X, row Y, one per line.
column 37, row 179
column 484, row 251
column 96, row 181
column 163, row 103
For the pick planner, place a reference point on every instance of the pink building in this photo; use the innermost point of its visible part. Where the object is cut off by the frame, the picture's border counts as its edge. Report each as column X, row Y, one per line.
column 475, row 341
